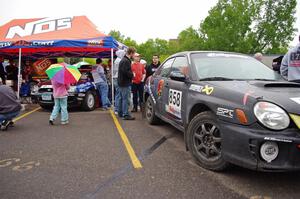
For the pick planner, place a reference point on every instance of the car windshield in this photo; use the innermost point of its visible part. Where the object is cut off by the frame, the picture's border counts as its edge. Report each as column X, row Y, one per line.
column 225, row 66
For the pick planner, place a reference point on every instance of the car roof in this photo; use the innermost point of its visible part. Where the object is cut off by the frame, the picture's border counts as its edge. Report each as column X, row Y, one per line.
column 187, row 53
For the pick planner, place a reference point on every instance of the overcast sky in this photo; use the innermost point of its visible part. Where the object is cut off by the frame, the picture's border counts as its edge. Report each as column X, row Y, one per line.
column 137, row 19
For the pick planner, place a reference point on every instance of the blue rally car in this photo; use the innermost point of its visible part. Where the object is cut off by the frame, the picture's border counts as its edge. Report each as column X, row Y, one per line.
column 232, row 109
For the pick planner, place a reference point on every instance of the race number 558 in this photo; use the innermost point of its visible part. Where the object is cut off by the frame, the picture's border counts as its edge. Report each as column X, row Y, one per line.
column 175, row 98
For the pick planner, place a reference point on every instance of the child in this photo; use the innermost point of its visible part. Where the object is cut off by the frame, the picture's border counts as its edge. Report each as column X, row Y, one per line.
column 60, row 94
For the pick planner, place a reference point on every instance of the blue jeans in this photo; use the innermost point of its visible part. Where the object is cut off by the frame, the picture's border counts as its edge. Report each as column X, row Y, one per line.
column 103, row 92
column 117, row 94
column 8, row 116
column 138, row 91
column 60, row 105
column 123, row 102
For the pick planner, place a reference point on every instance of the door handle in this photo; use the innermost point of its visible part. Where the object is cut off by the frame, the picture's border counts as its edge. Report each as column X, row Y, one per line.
column 166, row 84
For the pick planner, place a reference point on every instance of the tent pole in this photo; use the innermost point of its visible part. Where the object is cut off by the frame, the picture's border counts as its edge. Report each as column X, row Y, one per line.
column 112, row 79
column 19, row 72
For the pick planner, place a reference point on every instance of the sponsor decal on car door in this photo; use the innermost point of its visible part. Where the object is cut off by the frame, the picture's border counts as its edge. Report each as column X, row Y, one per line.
column 174, row 104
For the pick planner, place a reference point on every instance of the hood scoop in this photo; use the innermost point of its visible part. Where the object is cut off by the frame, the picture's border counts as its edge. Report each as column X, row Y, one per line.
column 264, row 84
column 282, row 85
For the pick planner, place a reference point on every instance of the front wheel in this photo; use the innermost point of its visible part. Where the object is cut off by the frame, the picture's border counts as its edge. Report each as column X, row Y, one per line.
column 205, row 142
column 89, row 102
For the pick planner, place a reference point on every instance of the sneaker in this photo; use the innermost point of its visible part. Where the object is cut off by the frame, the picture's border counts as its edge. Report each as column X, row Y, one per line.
column 104, row 109
column 65, row 122
column 128, row 117
column 51, row 122
column 11, row 123
column 4, row 125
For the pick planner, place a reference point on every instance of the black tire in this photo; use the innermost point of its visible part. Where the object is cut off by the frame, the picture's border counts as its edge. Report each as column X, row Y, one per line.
column 150, row 112
column 89, row 102
column 204, row 142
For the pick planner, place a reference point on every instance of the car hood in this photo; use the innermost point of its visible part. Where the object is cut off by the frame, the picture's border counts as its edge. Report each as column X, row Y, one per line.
column 284, row 94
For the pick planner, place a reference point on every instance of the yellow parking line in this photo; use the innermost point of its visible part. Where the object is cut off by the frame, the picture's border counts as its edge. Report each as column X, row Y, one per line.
column 26, row 114
column 134, row 159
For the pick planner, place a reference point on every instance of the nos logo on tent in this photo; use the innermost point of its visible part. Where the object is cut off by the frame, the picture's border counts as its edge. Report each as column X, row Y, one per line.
column 40, row 26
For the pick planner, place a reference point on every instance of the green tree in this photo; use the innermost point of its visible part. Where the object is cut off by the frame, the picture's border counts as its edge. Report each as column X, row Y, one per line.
column 151, row 47
column 117, row 35
column 130, row 42
column 249, row 26
column 189, row 39
column 274, row 29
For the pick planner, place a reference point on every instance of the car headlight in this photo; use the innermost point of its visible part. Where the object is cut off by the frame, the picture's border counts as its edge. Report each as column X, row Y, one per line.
column 72, row 89
column 271, row 115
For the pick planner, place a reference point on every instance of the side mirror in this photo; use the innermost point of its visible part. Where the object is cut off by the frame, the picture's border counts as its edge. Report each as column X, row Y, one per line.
column 177, row 76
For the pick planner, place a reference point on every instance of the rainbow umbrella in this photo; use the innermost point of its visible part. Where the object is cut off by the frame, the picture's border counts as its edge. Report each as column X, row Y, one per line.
column 63, row 73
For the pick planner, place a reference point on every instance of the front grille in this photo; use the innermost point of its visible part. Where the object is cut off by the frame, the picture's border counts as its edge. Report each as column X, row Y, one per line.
column 44, row 90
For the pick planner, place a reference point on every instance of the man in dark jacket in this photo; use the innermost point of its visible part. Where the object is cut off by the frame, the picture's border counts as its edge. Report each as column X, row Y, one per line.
column 150, row 69
column 125, row 76
column 2, row 71
column 10, row 107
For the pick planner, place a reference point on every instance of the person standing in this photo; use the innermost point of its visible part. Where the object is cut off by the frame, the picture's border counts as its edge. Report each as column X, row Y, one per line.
column 125, row 76
column 12, row 74
column 100, row 80
column 107, row 71
column 60, row 94
column 139, row 74
column 150, row 69
column 2, row 71
column 258, row 56
column 120, row 54
column 10, row 107
column 27, row 71
column 290, row 65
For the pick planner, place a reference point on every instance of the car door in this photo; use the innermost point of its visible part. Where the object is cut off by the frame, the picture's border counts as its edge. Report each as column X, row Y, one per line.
column 158, row 88
column 174, row 96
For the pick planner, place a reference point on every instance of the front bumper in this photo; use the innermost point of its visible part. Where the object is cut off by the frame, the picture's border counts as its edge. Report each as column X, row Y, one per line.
column 74, row 99
column 241, row 146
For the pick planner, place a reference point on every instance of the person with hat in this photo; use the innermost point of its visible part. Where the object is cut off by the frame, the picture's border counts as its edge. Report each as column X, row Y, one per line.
column 139, row 74
column 101, row 83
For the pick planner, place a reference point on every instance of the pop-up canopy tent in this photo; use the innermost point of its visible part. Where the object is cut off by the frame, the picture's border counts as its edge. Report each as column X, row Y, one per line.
column 55, row 37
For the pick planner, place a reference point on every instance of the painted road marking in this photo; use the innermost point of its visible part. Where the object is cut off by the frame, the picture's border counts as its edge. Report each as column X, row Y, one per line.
column 20, row 166
column 26, row 166
column 8, row 162
column 134, row 159
column 127, row 168
column 26, row 114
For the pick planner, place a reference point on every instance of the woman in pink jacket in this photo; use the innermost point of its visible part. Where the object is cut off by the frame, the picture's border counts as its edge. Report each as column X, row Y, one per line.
column 60, row 94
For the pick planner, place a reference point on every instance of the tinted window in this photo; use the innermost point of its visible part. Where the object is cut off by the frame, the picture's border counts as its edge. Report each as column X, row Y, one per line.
column 232, row 66
column 181, row 64
column 164, row 70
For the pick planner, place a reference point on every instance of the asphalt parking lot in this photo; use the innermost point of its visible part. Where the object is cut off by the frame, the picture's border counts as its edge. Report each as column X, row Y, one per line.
column 94, row 157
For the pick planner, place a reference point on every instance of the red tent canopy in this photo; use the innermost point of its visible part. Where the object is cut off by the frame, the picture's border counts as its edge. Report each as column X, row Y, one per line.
column 52, row 37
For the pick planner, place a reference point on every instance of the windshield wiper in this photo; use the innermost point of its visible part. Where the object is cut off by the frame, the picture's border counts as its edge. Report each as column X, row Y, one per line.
column 216, row 79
